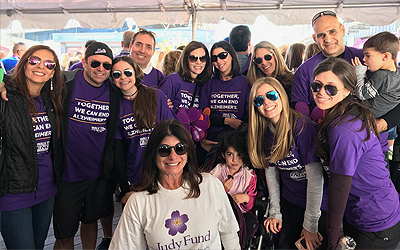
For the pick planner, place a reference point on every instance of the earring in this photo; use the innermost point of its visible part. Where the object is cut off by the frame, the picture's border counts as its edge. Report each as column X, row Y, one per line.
column 51, row 83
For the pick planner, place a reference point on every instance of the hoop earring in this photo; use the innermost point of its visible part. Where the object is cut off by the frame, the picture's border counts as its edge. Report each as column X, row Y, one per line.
column 51, row 84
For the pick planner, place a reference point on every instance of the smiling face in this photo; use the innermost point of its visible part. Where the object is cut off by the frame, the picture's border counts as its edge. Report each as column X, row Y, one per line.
column 269, row 109
column 142, row 49
column 196, row 67
column 223, row 65
column 125, row 83
column 233, row 159
column 39, row 74
column 173, row 164
column 322, row 99
column 96, row 76
column 267, row 67
column 329, row 35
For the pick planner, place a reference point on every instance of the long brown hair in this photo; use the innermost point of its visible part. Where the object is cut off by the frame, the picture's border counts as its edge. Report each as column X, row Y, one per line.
column 348, row 106
column 258, row 125
column 145, row 104
column 191, row 172
column 18, row 81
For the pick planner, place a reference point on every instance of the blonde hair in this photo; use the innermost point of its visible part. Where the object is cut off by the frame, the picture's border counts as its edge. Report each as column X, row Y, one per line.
column 258, row 124
column 281, row 70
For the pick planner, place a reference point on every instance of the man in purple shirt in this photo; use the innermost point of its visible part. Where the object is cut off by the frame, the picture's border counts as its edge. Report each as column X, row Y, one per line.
column 9, row 63
column 329, row 35
column 126, row 43
column 142, row 49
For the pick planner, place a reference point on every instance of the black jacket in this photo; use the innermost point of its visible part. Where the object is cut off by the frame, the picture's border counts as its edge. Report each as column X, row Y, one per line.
column 112, row 123
column 20, row 163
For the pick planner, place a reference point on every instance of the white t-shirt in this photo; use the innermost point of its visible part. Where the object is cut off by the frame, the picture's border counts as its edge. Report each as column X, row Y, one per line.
column 166, row 220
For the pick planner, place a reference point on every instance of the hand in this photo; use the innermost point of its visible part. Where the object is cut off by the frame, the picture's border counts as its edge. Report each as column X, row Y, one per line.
column 126, row 197
column 381, row 125
column 356, row 61
column 232, row 122
column 3, row 92
column 228, row 183
column 169, row 103
column 241, row 198
column 273, row 224
column 207, row 144
column 313, row 240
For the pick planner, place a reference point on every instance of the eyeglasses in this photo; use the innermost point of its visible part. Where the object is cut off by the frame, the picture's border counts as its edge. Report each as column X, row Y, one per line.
column 193, row 58
column 107, row 66
column 117, row 74
column 259, row 100
column 329, row 89
column 267, row 57
column 221, row 55
column 144, row 31
column 164, row 150
column 34, row 60
column 322, row 13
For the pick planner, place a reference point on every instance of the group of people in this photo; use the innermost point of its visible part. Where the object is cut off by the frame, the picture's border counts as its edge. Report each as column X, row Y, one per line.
column 69, row 137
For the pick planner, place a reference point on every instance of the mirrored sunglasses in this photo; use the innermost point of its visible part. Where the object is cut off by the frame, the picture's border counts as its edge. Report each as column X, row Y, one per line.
column 94, row 64
column 34, row 60
column 221, row 56
column 117, row 74
column 259, row 100
column 193, row 58
column 164, row 150
column 329, row 89
column 267, row 57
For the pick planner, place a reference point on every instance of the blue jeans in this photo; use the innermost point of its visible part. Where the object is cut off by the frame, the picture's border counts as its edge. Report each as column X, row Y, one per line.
column 27, row 228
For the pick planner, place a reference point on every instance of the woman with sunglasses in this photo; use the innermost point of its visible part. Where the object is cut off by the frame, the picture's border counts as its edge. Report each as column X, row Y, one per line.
column 267, row 61
column 293, row 172
column 227, row 94
column 30, row 159
column 194, row 69
column 175, row 205
column 362, row 195
column 141, row 109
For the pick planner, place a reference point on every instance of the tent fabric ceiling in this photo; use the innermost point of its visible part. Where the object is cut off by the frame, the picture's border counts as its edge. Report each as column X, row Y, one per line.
column 54, row 14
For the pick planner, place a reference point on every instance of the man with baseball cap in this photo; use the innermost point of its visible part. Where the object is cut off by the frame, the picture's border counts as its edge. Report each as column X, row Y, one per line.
column 88, row 127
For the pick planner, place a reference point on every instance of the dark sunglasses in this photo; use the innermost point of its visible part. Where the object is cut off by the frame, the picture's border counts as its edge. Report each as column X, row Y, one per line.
column 221, row 55
column 329, row 89
column 259, row 100
column 117, row 74
column 193, row 58
column 94, row 64
column 258, row 60
column 34, row 60
column 322, row 13
column 164, row 150
column 144, row 31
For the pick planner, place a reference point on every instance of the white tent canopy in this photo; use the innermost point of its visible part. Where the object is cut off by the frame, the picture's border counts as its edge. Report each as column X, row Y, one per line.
column 54, row 14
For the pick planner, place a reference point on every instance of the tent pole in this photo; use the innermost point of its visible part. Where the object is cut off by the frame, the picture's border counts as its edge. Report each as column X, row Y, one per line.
column 193, row 25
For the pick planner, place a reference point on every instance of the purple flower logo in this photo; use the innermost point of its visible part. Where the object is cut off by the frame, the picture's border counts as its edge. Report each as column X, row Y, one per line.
column 195, row 121
column 176, row 223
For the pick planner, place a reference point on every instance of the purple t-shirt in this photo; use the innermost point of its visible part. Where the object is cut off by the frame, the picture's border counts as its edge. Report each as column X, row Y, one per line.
column 77, row 65
column 228, row 99
column 292, row 167
column 373, row 203
column 87, row 129
column 136, row 140
column 180, row 92
column 46, row 186
column 153, row 78
column 302, row 79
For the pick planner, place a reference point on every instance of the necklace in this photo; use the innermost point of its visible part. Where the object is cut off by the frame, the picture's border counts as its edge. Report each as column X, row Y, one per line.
column 130, row 97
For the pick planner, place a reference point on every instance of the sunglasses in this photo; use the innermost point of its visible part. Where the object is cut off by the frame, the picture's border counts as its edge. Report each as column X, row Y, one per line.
column 221, row 55
column 259, row 100
column 329, row 89
column 144, row 31
column 94, row 64
column 164, row 150
column 322, row 13
column 193, row 58
column 267, row 57
column 34, row 60
column 117, row 74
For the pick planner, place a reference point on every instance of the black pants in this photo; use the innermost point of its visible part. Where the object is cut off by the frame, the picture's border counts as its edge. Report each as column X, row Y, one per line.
column 293, row 217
